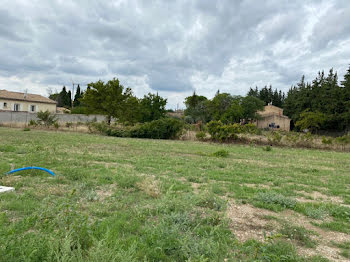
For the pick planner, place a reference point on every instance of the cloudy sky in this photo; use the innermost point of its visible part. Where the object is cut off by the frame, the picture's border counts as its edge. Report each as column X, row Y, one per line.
column 171, row 46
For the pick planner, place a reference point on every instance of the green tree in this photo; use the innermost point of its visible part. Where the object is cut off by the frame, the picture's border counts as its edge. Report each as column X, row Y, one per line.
column 218, row 106
column 312, row 121
column 77, row 97
column 107, row 98
column 197, row 108
column 251, row 105
column 152, row 107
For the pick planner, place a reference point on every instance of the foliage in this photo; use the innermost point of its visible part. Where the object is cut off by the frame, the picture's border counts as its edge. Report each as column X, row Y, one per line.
column 267, row 148
column 298, row 233
column 267, row 95
column 26, row 129
column 272, row 198
column 152, row 107
column 222, row 132
column 107, row 98
column 80, row 110
column 165, row 128
column 46, row 118
column 224, row 107
column 327, row 141
column 221, row 153
column 311, row 121
column 63, row 99
column 78, row 96
column 200, row 135
column 323, row 96
column 33, row 123
column 251, row 105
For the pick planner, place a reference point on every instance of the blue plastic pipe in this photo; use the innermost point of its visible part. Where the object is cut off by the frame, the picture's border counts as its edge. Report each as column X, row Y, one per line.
column 32, row 167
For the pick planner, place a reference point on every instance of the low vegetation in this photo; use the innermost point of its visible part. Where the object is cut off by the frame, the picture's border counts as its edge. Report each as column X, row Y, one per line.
column 122, row 199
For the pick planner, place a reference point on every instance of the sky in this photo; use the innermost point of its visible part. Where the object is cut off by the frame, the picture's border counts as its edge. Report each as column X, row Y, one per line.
column 173, row 47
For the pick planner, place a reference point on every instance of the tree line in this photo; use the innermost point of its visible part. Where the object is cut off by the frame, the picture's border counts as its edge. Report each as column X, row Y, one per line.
column 115, row 101
column 322, row 104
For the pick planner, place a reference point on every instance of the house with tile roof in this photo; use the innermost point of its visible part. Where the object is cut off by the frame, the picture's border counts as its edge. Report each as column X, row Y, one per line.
column 24, row 102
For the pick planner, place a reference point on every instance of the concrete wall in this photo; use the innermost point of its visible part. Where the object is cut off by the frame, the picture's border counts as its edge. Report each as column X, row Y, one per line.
column 26, row 106
column 20, row 119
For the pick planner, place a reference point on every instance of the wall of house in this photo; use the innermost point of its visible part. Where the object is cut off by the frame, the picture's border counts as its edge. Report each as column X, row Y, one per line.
column 21, row 119
column 26, row 106
column 282, row 121
column 270, row 109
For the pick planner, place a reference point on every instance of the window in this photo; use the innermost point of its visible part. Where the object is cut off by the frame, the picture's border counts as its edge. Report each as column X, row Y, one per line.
column 32, row 108
column 5, row 105
column 16, row 107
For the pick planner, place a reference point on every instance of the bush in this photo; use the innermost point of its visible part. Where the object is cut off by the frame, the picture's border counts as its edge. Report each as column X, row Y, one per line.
column 327, row 141
column 201, row 135
column 221, row 153
column 26, row 129
column 267, row 148
column 222, row 132
column 46, row 118
column 274, row 198
column 33, row 123
column 274, row 137
column 165, row 128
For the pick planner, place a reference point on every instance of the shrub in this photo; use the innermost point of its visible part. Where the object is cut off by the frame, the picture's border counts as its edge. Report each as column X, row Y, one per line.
column 56, row 125
column 300, row 234
column 267, row 148
column 201, row 135
column 165, row 128
column 33, row 123
column 222, row 132
column 221, row 153
column 46, row 118
column 274, row 137
column 26, row 129
column 327, row 141
column 275, row 198
column 69, row 124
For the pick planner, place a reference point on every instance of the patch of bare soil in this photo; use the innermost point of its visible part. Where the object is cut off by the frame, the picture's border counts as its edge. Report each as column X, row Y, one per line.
column 249, row 222
column 105, row 192
column 195, row 187
column 316, row 196
column 267, row 186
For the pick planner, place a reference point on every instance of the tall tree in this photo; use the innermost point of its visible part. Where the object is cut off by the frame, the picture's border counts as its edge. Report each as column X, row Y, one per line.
column 107, row 98
column 77, row 97
column 152, row 107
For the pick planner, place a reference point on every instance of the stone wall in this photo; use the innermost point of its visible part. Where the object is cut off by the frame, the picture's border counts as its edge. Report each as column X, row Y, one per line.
column 19, row 119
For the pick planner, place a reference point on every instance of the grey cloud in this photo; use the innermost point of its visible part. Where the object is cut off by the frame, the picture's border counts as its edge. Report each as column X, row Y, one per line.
column 170, row 42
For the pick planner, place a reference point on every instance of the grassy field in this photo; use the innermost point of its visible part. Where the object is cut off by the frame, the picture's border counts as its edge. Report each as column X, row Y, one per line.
column 118, row 199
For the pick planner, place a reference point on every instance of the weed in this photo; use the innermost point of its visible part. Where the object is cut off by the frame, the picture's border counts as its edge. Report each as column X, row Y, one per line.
column 26, row 129
column 201, row 135
column 271, row 198
column 221, row 153
column 267, row 148
column 298, row 233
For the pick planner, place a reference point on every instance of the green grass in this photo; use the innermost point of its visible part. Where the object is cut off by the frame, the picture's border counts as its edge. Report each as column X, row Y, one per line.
column 119, row 199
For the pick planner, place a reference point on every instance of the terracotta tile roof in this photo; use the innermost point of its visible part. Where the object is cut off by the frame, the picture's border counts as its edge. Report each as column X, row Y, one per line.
column 25, row 97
